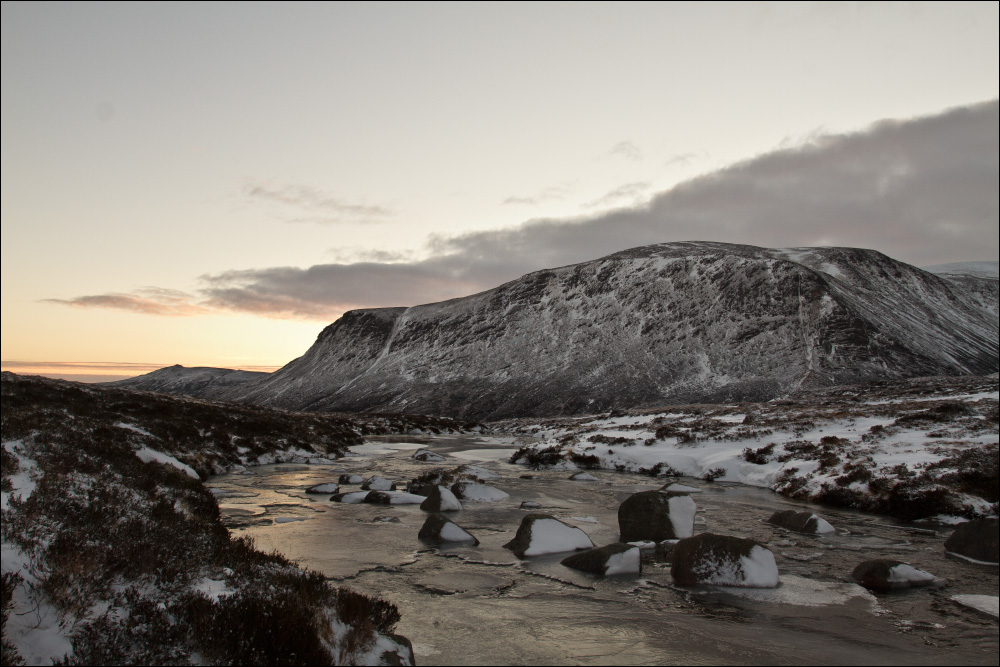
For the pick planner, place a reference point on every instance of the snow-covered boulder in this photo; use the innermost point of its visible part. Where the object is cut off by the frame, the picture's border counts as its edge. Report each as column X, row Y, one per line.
column 722, row 560
column 476, row 491
column 883, row 575
column 438, row 529
column 348, row 478
column 329, row 487
column 612, row 559
column 428, row 456
column 377, row 483
column 544, row 534
column 655, row 515
column 393, row 498
column 977, row 540
column 801, row 522
column 530, row 505
column 441, row 499
column 583, row 477
column 476, row 472
column 353, row 497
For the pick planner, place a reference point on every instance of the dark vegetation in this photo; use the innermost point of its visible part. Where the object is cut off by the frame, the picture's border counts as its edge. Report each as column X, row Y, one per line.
column 119, row 546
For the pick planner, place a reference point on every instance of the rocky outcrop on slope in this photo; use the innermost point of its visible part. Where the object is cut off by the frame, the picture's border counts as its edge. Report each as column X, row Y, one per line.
column 667, row 323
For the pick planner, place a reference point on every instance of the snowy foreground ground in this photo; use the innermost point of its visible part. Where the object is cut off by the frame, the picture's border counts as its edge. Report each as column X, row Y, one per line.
column 917, row 449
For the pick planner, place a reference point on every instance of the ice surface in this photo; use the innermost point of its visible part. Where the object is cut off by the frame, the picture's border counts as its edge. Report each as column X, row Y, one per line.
column 989, row 604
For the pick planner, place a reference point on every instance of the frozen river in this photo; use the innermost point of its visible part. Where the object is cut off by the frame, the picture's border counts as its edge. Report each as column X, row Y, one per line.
column 481, row 605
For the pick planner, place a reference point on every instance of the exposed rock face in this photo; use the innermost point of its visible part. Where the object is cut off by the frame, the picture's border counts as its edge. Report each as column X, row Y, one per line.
column 437, row 529
column 612, row 559
column 801, row 522
column 657, row 516
column 723, row 560
column 979, row 540
column 673, row 322
column 544, row 534
column 882, row 575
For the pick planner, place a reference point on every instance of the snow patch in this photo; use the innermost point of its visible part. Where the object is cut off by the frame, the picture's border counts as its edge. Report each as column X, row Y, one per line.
column 146, row 455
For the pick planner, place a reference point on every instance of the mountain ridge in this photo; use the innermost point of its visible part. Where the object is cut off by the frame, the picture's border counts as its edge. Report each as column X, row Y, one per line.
column 658, row 324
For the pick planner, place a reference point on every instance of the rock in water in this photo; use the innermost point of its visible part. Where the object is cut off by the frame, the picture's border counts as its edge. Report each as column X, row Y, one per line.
column 657, row 516
column 801, row 522
column 441, row 499
column 882, row 575
column 722, row 560
column 348, row 478
column 437, row 529
column 427, row 456
column 377, row 483
column 329, row 487
column 613, row 559
column 977, row 540
column 477, row 491
column 544, row 534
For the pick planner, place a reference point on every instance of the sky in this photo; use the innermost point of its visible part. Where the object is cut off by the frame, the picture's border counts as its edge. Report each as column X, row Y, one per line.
column 212, row 184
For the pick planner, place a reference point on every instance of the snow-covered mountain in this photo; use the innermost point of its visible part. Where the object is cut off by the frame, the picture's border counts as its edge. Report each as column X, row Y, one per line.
column 660, row 324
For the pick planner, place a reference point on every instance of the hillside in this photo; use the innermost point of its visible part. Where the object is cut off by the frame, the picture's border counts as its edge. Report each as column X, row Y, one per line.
column 114, row 551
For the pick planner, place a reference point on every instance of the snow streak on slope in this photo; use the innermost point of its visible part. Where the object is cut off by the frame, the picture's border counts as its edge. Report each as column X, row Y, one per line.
column 666, row 323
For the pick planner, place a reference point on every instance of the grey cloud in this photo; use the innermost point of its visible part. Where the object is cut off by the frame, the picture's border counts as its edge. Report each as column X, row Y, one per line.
column 922, row 190
column 681, row 159
column 305, row 204
column 628, row 191
column 554, row 192
column 148, row 301
column 627, row 150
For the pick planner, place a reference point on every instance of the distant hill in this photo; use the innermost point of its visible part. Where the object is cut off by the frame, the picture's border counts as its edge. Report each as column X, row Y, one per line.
column 199, row 381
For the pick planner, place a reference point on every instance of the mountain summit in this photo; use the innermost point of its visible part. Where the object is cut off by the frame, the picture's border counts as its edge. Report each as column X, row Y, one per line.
column 659, row 324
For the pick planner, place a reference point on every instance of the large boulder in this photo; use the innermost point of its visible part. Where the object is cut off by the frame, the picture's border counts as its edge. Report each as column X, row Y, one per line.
column 723, row 560
column 657, row 516
column 377, row 483
column 466, row 490
column 476, row 472
column 882, row 575
column 393, row 498
column 437, row 530
column 353, row 497
column 544, row 534
column 801, row 522
column 612, row 559
column 977, row 540
column 427, row 456
column 440, row 499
